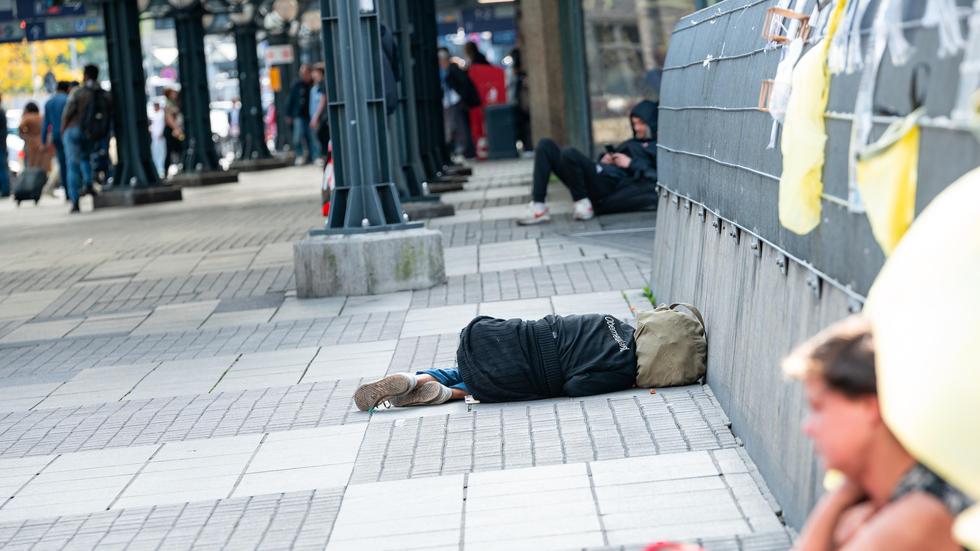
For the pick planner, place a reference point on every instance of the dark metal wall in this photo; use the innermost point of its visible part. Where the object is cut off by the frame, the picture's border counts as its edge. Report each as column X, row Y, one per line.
column 708, row 122
column 719, row 243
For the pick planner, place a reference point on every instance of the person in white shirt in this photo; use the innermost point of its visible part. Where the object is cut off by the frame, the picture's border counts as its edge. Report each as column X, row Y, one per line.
column 158, row 144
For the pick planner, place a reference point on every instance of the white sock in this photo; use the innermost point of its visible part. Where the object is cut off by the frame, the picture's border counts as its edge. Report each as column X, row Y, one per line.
column 415, row 381
column 539, row 206
column 584, row 203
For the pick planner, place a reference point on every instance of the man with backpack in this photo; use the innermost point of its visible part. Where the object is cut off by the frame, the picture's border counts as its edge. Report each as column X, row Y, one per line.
column 85, row 123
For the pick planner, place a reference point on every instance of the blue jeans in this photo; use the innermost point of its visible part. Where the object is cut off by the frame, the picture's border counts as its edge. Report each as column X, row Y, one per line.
column 302, row 132
column 59, row 149
column 78, row 155
column 4, row 171
column 446, row 377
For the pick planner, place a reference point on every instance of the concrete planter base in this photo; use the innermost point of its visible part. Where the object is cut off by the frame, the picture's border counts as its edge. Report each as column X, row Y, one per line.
column 131, row 197
column 255, row 165
column 368, row 263
column 199, row 179
column 420, row 210
column 444, row 187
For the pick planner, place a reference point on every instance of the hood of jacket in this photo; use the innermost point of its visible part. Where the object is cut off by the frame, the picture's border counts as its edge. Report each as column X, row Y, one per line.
column 646, row 111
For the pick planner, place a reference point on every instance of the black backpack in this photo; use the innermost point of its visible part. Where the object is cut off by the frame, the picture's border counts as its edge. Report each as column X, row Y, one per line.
column 95, row 119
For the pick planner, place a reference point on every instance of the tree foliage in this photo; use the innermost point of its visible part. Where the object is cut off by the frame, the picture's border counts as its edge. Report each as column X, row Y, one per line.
column 49, row 55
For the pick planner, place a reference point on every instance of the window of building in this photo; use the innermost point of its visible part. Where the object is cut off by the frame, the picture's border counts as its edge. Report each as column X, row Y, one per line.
column 626, row 43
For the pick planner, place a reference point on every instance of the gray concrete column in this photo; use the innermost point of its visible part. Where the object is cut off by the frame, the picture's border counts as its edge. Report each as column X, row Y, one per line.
column 542, row 53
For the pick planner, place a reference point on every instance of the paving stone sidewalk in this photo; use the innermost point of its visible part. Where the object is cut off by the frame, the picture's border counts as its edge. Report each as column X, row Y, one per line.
column 161, row 387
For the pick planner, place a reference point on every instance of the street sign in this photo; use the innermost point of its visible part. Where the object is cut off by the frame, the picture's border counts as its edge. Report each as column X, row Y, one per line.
column 275, row 79
column 62, row 27
column 48, row 20
column 10, row 32
column 34, row 31
column 7, row 10
column 31, row 9
column 279, row 54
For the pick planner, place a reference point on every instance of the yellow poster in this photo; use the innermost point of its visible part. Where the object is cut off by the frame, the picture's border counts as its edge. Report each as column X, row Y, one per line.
column 887, row 174
column 804, row 136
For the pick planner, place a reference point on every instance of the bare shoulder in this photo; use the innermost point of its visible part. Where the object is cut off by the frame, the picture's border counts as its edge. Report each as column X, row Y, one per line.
column 916, row 521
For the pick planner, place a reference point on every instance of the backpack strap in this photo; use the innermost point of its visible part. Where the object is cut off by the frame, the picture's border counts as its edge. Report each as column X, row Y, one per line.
column 697, row 313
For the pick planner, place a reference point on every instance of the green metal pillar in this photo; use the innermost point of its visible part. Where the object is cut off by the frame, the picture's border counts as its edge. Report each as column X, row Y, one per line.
column 364, row 199
column 199, row 152
column 134, row 166
column 578, row 126
column 252, row 135
column 287, row 74
column 428, row 87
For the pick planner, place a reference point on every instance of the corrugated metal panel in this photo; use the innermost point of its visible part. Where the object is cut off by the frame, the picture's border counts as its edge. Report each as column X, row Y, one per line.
column 714, row 140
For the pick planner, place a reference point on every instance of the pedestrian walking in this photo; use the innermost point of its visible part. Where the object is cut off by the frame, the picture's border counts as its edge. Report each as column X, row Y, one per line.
column 622, row 180
column 85, row 124
column 30, row 130
column 298, row 115
column 459, row 95
column 158, row 141
column 518, row 94
column 473, row 55
column 4, row 168
column 318, row 111
column 173, row 130
column 54, row 108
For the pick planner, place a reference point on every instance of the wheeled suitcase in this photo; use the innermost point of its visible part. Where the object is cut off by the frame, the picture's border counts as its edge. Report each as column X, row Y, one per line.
column 29, row 185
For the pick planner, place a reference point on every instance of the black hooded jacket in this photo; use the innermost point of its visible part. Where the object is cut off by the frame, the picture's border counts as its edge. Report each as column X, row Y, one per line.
column 459, row 81
column 642, row 151
column 512, row 360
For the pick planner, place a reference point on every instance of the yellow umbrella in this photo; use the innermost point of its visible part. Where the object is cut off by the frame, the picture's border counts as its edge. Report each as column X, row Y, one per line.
column 925, row 313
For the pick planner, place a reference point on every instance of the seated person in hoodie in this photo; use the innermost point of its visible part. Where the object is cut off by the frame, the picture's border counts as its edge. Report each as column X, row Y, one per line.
column 622, row 180
column 510, row 360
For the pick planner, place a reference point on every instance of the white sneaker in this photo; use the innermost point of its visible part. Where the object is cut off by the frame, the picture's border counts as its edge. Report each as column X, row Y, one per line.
column 583, row 210
column 537, row 213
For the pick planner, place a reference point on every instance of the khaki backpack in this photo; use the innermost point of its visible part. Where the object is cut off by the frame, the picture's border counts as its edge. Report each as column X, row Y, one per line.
column 671, row 347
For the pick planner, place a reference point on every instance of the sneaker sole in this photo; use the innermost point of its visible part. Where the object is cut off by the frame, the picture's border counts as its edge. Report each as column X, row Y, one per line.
column 423, row 395
column 533, row 221
column 369, row 395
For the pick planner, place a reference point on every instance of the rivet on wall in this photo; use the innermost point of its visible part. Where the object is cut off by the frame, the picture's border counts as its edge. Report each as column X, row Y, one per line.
column 854, row 305
column 734, row 232
column 702, row 213
column 815, row 284
column 756, row 247
column 783, row 262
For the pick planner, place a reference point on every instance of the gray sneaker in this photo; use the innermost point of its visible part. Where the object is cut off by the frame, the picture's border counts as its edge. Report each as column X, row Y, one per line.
column 369, row 395
column 426, row 394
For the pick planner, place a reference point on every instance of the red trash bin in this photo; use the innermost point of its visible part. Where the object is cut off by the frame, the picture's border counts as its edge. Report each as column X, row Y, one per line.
column 491, row 85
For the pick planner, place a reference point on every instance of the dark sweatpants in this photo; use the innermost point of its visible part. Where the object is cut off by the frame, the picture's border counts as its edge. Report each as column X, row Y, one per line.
column 458, row 129
column 572, row 167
